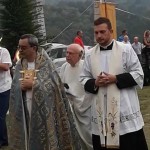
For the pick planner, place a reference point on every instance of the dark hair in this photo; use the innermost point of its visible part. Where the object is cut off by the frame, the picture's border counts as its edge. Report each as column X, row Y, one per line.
column 102, row 20
column 32, row 39
column 124, row 31
column 78, row 32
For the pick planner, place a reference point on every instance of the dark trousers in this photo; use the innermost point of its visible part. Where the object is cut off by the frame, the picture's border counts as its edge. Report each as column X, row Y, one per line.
column 4, row 105
column 131, row 141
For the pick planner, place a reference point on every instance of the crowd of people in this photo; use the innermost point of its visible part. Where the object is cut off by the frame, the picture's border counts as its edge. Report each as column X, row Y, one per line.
column 142, row 49
column 91, row 105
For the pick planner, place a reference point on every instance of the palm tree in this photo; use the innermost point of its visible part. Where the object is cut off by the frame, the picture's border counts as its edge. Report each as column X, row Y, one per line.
column 17, row 18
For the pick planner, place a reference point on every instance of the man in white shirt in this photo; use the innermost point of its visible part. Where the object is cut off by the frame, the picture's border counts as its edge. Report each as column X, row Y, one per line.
column 137, row 46
column 5, row 85
column 80, row 105
column 111, row 72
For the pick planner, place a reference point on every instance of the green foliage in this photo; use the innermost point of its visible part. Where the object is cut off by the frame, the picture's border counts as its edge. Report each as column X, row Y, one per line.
column 16, row 19
column 135, row 24
column 69, row 14
column 66, row 15
column 59, row 14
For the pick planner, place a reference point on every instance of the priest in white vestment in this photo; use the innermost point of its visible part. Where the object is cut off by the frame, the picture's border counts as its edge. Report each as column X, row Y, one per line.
column 80, row 104
column 111, row 73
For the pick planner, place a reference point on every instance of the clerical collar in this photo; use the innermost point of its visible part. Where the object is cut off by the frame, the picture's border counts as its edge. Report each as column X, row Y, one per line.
column 108, row 47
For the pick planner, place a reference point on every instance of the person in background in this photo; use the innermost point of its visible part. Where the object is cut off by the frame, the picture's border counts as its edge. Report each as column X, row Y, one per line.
column 16, row 57
column 78, row 39
column 40, row 115
column 5, row 85
column 121, row 37
column 137, row 46
column 146, row 57
column 111, row 72
column 126, row 40
column 146, row 40
column 80, row 104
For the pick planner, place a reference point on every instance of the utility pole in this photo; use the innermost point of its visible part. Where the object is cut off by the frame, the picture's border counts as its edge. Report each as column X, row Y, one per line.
column 96, row 11
column 97, row 8
column 39, row 19
column 104, row 9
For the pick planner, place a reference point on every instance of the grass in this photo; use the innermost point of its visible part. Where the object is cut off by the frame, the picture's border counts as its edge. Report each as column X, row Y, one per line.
column 144, row 96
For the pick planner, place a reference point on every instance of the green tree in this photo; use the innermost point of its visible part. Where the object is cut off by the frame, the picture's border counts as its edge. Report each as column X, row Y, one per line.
column 16, row 17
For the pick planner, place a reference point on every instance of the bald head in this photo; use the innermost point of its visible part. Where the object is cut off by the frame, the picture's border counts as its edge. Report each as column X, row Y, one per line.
column 76, row 48
column 136, row 39
column 126, row 38
column 74, row 54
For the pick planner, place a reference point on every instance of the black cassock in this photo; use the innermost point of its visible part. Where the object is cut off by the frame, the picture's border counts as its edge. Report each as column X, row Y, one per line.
column 146, row 65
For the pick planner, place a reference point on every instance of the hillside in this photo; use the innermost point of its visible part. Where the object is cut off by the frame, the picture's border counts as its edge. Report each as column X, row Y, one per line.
column 59, row 14
column 59, row 17
column 54, row 2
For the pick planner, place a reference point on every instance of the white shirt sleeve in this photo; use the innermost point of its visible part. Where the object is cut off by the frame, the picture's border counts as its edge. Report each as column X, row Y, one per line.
column 5, row 58
column 86, row 70
column 132, row 65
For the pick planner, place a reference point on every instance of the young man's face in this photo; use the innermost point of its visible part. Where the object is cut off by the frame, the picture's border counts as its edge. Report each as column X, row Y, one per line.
column 81, row 34
column 103, row 34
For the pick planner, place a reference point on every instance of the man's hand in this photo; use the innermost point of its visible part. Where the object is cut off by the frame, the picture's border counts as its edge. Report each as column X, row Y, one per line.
column 26, row 84
column 105, row 79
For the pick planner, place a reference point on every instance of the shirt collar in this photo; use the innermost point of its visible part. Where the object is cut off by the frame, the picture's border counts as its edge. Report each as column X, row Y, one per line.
column 108, row 47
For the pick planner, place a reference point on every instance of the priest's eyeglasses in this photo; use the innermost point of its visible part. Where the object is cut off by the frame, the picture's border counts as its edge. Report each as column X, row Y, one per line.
column 19, row 47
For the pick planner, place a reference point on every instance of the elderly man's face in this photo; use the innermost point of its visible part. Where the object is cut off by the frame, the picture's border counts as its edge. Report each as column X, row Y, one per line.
column 25, row 50
column 72, row 56
column 126, row 38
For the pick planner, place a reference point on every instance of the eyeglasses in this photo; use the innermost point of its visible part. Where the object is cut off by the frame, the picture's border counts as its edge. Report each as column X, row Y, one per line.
column 19, row 47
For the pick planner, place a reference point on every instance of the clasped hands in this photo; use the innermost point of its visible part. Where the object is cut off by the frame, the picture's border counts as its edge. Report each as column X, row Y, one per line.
column 105, row 79
column 27, row 83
